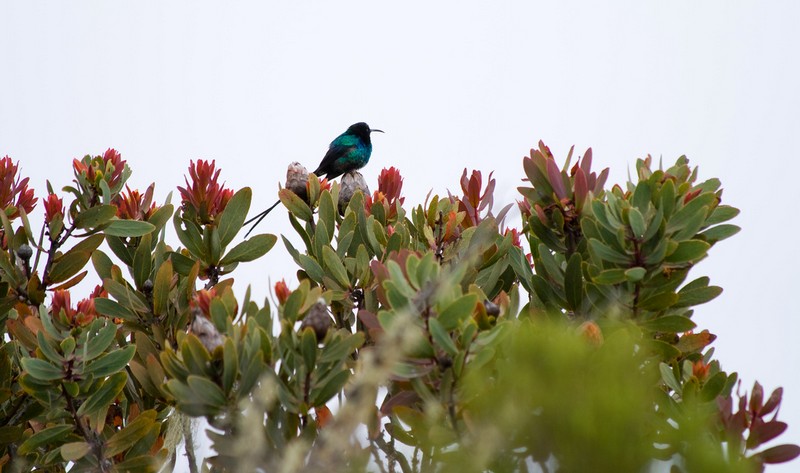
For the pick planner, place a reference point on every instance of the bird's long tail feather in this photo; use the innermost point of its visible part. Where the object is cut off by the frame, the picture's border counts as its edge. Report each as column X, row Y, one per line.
column 258, row 218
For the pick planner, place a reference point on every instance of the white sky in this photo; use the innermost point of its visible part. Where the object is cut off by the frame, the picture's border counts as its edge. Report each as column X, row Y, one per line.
column 454, row 85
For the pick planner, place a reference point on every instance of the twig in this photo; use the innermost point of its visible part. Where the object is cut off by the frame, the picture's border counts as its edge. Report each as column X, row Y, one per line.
column 188, row 442
column 392, row 454
column 439, row 239
column 89, row 435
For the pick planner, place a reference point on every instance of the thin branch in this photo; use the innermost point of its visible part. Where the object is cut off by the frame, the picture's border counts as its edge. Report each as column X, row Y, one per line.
column 188, row 442
column 88, row 434
column 392, row 454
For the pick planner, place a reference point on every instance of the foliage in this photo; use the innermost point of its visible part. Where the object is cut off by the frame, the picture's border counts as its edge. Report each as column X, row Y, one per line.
column 415, row 338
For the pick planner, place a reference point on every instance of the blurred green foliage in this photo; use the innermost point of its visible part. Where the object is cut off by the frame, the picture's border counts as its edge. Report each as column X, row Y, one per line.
column 421, row 338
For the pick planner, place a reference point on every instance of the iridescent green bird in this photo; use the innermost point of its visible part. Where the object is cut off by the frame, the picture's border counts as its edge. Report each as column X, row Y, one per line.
column 349, row 151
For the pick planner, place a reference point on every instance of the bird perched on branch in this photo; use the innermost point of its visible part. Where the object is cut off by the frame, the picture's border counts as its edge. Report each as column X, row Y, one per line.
column 349, row 151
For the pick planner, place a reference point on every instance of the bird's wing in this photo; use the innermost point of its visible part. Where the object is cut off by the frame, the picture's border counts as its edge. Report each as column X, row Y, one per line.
column 339, row 147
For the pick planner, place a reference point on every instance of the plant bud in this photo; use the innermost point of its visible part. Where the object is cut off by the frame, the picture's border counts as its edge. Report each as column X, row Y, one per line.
column 491, row 308
column 24, row 252
column 296, row 179
column 351, row 182
column 318, row 319
column 205, row 330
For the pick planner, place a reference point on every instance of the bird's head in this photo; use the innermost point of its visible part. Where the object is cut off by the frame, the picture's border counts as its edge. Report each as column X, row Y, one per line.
column 362, row 130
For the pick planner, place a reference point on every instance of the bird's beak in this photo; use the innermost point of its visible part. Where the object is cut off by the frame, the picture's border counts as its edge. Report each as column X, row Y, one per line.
column 372, row 129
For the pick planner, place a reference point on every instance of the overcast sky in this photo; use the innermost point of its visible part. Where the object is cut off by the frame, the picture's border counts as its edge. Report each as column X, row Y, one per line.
column 454, row 84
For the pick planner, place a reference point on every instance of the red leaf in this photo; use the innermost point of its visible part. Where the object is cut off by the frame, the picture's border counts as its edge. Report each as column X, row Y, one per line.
column 756, row 397
column 773, row 401
column 369, row 320
column 554, row 176
column 487, row 199
column 597, row 186
column 581, row 189
column 403, row 398
column 779, row 454
column 540, row 213
column 586, row 162
column 381, row 274
column 766, row 431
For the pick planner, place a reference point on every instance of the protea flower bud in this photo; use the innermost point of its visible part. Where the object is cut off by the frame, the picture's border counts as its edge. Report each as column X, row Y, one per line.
column 296, row 179
column 318, row 319
column 205, row 330
column 351, row 182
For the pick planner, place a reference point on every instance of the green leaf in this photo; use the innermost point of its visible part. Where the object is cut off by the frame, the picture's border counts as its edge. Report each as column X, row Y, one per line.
column 610, row 276
column 327, row 210
column 635, row 274
column 551, row 266
column 182, row 265
column 95, row 216
column 654, row 225
column 128, row 298
column 670, row 323
column 74, row 451
column 47, row 436
column 196, row 356
column 606, row 253
column 442, row 337
column 308, row 347
column 129, row 228
column 250, row 249
column 458, row 311
column 720, row 232
column 573, row 282
column 132, row 433
column 189, row 235
column 211, row 239
column 90, row 243
column 206, row 391
column 722, row 213
column 688, row 251
column 102, row 264
column 668, row 376
column 47, row 349
column 335, row 267
column 68, row 265
column 659, row 302
column 636, row 220
column 697, row 296
column 111, row 308
column 10, row 433
column 320, row 395
column 311, row 267
column 664, row 350
column 162, row 287
column 111, row 362
column 161, row 216
column 142, row 463
column 234, row 215
column 546, row 235
column 97, row 344
column 296, row 205
column 42, row 370
column 338, row 349
column 230, row 365
column 119, row 248
column 713, row 387
column 698, row 205
column 101, row 398
column 142, row 262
